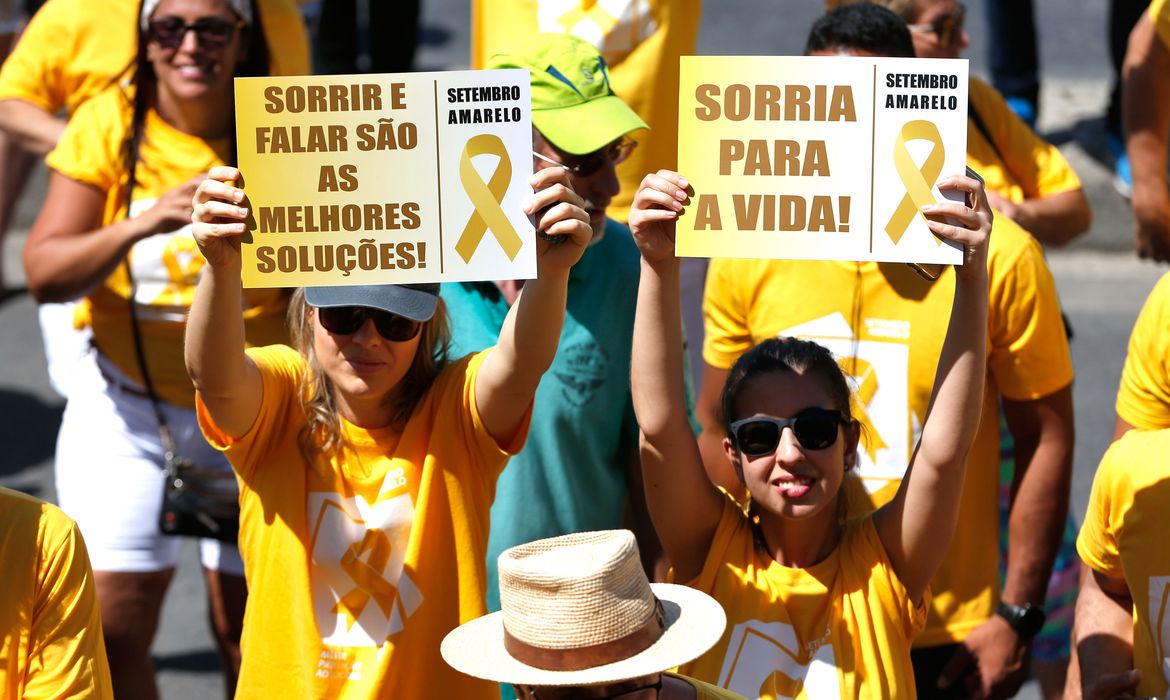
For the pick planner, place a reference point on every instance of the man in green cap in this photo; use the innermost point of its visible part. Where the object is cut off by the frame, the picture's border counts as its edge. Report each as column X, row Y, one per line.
column 579, row 469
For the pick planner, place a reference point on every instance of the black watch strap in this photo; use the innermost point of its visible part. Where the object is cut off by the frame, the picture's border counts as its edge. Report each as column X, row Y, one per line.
column 1027, row 620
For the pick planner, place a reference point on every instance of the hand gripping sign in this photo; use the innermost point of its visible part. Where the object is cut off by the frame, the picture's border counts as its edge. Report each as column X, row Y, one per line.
column 386, row 179
column 828, row 158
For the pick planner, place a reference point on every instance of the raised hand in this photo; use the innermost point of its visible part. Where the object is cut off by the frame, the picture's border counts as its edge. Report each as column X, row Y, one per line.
column 654, row 213
column 219, row 217
column 968, row 223
column 561, row 222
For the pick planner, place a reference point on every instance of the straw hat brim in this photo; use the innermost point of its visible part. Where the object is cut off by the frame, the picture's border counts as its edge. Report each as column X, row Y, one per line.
column 694, row 622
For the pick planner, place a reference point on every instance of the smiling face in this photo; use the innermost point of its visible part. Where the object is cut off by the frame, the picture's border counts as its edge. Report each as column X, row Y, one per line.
column 200, row 65
column 364, row 369
column 793, row 482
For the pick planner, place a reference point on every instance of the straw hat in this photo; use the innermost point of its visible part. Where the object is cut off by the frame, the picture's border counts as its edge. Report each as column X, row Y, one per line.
column 578, row 610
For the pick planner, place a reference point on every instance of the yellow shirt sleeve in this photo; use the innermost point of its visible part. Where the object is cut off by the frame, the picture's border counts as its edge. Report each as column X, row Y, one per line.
column 89, row 150
column 1019, row 164
column 34, row 72
column 1108, row 500
column 1028, row 355
column 1143, row 399
column 726, row 329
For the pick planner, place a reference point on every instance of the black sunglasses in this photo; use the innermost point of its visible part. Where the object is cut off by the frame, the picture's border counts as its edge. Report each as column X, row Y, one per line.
column 946, row 27
column 814, row 428
column 586, row 165
column 212, row 32
column 346, row 320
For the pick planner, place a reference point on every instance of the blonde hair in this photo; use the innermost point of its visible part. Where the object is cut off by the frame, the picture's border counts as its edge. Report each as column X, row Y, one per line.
column 906, row 9
column 322, row 429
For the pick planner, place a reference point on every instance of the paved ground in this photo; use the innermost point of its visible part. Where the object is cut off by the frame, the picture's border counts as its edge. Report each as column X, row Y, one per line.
column 1101, row 284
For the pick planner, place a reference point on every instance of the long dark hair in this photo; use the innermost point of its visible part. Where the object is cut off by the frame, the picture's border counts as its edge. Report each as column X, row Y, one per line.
column 142, row 83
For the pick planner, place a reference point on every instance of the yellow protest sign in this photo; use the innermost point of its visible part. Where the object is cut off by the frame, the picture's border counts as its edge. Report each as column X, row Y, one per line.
column 827, row 158
column 386, row 179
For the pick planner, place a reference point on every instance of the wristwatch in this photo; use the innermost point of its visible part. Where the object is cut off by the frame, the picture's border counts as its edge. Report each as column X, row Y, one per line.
column 1025, row 619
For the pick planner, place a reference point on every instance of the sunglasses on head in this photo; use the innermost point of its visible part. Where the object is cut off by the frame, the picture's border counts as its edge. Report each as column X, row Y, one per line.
column 586, row 165
column 346, row 320
column 814, row 428
column 946, row 27
column 212, row 32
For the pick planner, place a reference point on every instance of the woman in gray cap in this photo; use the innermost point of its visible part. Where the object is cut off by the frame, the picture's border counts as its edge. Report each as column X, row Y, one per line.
column 367, row 461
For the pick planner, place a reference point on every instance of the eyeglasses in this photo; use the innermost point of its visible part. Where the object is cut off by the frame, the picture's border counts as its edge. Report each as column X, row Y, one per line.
column 814, row 428
column 212, row 32
column 586, row 165
column 946, row 27
column 347, row 320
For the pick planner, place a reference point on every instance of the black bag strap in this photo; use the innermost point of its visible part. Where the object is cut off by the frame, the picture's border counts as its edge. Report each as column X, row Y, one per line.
column 164, row 429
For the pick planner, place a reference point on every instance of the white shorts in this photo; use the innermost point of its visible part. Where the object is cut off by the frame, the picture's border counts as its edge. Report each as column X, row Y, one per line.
column 110, row 472
column 65, row 346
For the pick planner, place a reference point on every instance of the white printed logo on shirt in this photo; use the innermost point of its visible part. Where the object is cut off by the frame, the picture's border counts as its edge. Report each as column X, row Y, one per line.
column 166, row 268
column 766, row 660
column 879, row 371
column 614, row 27
column 361, row 596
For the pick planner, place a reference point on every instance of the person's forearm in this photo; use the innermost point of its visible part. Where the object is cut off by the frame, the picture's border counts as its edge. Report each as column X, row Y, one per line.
column 528, row 340
column 213, row 350
column 656, row 368
column 1104, row 630
column 1057, row 218
column 1044, row 438
column 63, row 268
column 32, row 127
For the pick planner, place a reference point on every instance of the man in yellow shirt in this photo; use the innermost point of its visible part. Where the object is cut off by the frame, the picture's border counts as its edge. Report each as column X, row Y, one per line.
column 1143, row 397
column 640, row 41
column 1123, row 630
column 1146, row 100
column 886, row 325
column 50, row 630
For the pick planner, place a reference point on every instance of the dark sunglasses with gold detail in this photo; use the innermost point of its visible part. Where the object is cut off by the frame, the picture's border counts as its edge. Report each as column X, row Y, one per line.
column 347, row 320
column 211, row 32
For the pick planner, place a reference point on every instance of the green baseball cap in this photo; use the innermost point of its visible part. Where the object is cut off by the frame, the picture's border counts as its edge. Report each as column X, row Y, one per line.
column 573, row 105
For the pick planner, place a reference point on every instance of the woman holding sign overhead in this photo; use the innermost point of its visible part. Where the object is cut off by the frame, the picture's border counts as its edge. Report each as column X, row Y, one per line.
column 818, row 605
column 367, row 460
column 115, row 231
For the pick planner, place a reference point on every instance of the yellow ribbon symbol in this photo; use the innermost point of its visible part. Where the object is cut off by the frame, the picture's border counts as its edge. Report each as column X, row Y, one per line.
column 918, row 181
column 867, row 385
column 367, row 575
column 486, row 197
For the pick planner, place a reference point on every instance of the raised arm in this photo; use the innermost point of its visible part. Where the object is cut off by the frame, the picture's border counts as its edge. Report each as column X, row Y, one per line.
column 508, row 378
column 684, row 505
column 916, row 526
column 227, row 381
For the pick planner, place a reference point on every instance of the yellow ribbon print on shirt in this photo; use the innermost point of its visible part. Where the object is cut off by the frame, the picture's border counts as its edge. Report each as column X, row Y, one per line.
column 867, row 385
column 486, row 196
column 918, row 181
column 367, row 575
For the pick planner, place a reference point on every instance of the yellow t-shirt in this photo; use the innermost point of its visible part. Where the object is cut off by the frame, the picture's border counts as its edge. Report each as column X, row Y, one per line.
column 1124, row 536
column 1160, row 15
column 1143, row 399
column 1020, row 165
column 166, row 266
column 887, row 326
column 50, row 630
column 74, row 49
column 640, row 40
column 357, row 567
column 839, row 629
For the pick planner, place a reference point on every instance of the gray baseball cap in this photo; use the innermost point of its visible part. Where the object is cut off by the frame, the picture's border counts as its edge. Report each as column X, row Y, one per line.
column 414, row 301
